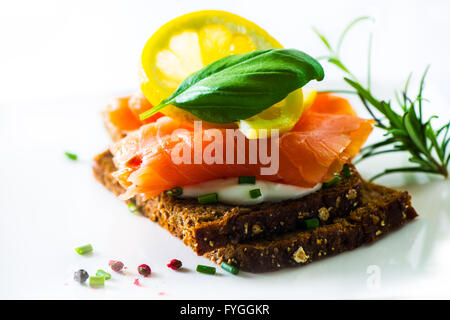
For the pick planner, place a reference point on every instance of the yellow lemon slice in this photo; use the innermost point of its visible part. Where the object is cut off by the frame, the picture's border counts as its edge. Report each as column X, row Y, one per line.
column 190, row 42
column 309, row 95
column 282, row 116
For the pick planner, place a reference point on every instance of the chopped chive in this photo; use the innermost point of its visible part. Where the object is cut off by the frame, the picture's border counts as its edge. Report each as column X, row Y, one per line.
column 311, row 223
column 247, row 180
column 228, row 267
column 71, row 156
column 205, row 269
column 332, row 183
column 104, row 274
column 176, row 191
column 255, row 193
column 208, row 198
column 84, row 249
column 132, row 207
column 97, row 281
column 346, row 171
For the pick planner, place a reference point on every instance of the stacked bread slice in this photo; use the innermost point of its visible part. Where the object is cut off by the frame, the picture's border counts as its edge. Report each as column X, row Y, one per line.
column 271, row 236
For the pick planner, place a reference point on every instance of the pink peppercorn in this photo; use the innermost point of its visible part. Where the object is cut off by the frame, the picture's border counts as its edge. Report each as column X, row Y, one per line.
column 144, row 270
column 116, row 265
column 174, row 264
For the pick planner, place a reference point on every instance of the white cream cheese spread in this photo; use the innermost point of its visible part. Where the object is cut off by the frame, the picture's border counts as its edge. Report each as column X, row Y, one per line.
column 231, row 192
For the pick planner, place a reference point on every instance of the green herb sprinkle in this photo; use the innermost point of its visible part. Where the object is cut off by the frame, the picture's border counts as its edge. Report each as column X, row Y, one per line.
column 71, row 156
column 205, row 269
column 255, row 193
column 247, row 180
column 84, row 249
column 208, row 198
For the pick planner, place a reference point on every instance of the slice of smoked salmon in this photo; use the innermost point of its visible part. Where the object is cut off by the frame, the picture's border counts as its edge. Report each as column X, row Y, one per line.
column 123, row 112
column 327, row 135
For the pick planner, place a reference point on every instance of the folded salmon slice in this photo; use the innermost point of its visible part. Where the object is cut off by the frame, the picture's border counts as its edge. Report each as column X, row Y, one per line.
column 123, row 112
column 327, row 136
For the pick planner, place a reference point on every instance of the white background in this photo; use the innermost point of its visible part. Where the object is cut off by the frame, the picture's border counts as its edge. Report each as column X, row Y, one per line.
column 61, row 61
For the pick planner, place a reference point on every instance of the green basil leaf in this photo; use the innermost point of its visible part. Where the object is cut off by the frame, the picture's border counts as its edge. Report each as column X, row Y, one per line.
column 240, row 86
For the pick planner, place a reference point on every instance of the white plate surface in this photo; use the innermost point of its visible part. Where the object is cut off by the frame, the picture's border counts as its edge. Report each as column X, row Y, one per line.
column 50, row 205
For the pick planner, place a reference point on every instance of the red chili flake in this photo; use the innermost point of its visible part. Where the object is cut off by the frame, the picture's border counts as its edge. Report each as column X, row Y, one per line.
column 174, row 264
column 144, row 270
column 116, row 265
column 137, row 283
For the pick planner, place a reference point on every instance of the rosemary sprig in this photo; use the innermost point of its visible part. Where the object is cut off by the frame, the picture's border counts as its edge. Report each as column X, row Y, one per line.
column 406, row 130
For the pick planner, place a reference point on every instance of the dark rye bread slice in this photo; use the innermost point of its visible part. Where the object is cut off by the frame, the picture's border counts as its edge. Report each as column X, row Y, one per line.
column 382, row 210
column 207, row 227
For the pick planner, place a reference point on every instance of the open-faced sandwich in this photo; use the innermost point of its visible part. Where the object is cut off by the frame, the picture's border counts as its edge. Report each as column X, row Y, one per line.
column 222, row 147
